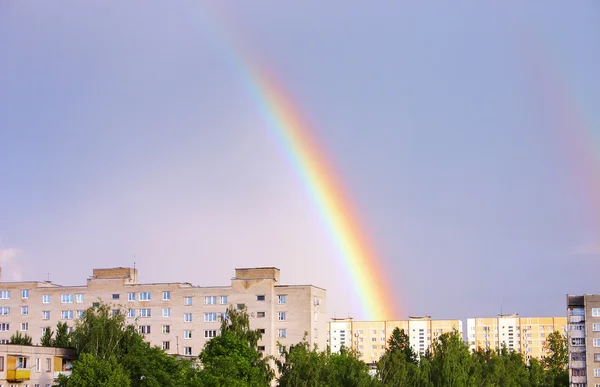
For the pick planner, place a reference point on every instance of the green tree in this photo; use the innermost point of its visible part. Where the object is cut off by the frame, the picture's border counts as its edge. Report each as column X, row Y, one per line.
column 232, row 358
column 345, row 369
column 557, row 361
column 90, row 371
column 47, row 338
column 18, row 338
column 399, row 366
column 301, row 366
column 100, row 333
column 451, row 362
column 537, row 376
column 63, row 337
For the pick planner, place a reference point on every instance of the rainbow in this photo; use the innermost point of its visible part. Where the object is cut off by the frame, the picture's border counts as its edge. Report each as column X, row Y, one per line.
column 283, row 116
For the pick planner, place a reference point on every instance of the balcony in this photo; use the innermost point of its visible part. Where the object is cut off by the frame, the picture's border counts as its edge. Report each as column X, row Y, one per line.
column 576, row 319
column 18, row 375
column 65, row 373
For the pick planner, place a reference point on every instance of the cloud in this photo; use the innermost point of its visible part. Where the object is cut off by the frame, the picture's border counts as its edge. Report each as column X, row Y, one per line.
column 10, row 263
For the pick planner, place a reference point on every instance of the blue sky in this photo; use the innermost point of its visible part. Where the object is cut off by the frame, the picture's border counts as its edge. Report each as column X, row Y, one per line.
column 125, row 131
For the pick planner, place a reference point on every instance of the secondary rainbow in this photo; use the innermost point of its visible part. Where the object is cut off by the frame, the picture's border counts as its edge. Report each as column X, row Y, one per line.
column 368, row 273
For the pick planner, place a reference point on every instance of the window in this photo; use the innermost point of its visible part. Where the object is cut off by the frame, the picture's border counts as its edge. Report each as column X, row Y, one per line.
column 66, row 298
column 45, row 299
column 262, row 331
column 79, row 298
column 223, row 300
column 145, row 296
column 144, row 329
column 4, row 294
column 596, row 327
column 166, row 345
column 25, row 294
column 210, row 317
column 79, row 313
column 166, row 329
column 596, row 356
column 241, row 306
column 281, row 316
column 282, row 333
column 210, row 300
column 208, row 333
column 24, row 327
column 282, row 299
column 95, row 304
column 282, row 349
column 596, row 372
column 131, row 313
column 576, row 341
column 261, row 347
column 48, row 364
column 145, row 312
column 166, row 312
column 130, row 296
column 187, row 334
column 187, row 300
column 260, row 298
column 5, row 311
column 222, row 316
column 595, row 312
column 38, row 365
column 187, row 351
column 596, row 342
column 1, row 363
column 115, row 312
column 66, row 314
column 166, row 296
column 187, row 317
column 260, row 314
column 116, row 296
column 46, row 315
column 24, row 310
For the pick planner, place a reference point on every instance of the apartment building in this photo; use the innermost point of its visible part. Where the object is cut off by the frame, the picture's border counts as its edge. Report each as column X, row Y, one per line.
column 583, row 337
column 369, row 338
column 526, row 335
column 178, row 317
column 33, row 366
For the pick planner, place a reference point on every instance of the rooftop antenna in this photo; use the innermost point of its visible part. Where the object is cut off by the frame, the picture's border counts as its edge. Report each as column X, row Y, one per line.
column 133, row 261
column 501, row 307
column 47, row 277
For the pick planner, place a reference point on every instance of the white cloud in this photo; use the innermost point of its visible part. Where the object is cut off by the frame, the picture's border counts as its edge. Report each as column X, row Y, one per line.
column 10, row 263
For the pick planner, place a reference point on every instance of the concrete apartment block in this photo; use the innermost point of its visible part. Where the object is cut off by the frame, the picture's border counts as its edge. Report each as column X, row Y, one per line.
column 178, row 317
column 526, row 335
column 369, row 338
column 583, row 312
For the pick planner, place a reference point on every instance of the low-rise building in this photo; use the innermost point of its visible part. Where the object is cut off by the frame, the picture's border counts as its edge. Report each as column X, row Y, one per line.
column 178, row 317
column 27, row 365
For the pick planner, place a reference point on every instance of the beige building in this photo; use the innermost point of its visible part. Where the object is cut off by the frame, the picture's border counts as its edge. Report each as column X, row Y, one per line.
column 178, row 317
column 33, row 366
column 584, row 340
column 369, row 338
column 526, row 335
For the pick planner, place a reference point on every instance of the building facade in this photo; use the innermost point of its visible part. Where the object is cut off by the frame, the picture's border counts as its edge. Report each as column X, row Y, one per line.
column 526, row 335
column 33, row 366
column 178, row 317
column 369, row 338
column 583, row 337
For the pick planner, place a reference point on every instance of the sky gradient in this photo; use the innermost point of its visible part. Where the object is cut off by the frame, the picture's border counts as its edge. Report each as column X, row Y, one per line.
column 466, row 136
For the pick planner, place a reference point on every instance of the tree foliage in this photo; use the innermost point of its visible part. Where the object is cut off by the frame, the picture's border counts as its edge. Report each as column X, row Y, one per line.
column 90, row 371
column 232, row 358
column 18, row 338
column 303, row 366
column 47, row 339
